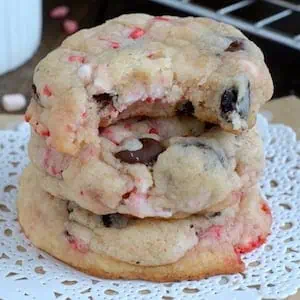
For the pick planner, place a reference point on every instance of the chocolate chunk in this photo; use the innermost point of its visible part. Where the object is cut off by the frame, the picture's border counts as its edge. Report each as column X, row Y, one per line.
column 35, row 95
column 237, row 45
column 235, row 100
column 115, row 220
column 147, row 155
column 185, row 109
column 228, row 102
column 103, row 100
column 208, row 126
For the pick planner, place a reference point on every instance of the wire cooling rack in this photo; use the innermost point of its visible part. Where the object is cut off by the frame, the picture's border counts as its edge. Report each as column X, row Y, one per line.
column 277, row 20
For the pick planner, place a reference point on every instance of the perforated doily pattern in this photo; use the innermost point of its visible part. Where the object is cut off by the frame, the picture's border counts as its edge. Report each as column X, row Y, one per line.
column 273, row 271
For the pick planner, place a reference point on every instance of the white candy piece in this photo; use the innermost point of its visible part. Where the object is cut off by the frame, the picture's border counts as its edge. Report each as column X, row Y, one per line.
column 132, row 144
column 85, row 73
column 13, row 102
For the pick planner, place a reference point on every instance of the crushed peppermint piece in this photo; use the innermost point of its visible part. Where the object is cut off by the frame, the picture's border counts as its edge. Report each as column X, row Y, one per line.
column 46, row 91
column 76, row 58
column 137, row 33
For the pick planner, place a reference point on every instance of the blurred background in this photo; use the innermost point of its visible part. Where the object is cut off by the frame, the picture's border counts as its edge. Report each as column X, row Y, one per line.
column 273, row 24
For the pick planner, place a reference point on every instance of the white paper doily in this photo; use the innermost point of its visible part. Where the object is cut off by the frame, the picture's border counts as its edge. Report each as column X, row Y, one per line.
column 273, row 271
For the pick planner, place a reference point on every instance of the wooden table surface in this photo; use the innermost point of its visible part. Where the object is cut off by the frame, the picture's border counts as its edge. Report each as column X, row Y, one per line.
column 284, row 111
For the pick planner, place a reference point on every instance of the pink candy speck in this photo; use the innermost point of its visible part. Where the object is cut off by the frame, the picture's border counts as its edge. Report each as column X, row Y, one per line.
column 46, row 91
column 112, row 44
column 137, row 33
column 161, row 18
column 59, row 12
column 70, row 26
column 45, row 133
column 115, row 45
column 76, row 58
column 153, row 131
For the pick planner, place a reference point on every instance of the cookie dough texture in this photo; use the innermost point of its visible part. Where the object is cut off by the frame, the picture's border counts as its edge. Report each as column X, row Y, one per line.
column 152, row 66
column 195, row 170
column 192, row 248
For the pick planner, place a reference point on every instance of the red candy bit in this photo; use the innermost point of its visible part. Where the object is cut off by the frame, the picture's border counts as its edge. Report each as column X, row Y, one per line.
column 150, row 56
column 112, row 44
column 77, row 244
column 76, row 58
column 242, row 249
column 153, row 131
column 127, row 126
column 215, row 231
column 161, row 18
column 45, row 133
column 46, row 91
column 54, row 171
column 59, row 12
column 127, row 195
column 150, row 100
column 70, row 26
column 84, row 115
column 137, row 33
column 27, row 118
column 266, row 208
column 115, row 45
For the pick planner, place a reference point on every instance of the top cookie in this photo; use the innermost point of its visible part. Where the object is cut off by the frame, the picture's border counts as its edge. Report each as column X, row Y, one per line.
column 151, row 66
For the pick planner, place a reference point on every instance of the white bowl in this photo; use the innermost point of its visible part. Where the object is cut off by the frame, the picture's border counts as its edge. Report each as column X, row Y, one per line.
column 20, row 32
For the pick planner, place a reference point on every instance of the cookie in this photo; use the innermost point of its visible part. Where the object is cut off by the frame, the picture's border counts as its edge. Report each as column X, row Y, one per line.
column 140, row 65
column 116, row 247
column 164, row 167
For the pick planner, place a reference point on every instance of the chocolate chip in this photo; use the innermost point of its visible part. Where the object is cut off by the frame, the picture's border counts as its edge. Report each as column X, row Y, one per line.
column 234, row 101
column 115, row 220
column 208, row 126
column 137, row 262
column 185, row 109
column 191, row 226
column 35, row 95
column 67, row 233
column 228, row 102
column 34, row 88
column 147, row 155
column 237, row 45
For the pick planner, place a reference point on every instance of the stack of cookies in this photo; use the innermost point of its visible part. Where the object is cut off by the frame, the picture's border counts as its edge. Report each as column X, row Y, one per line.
column 145, row 158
